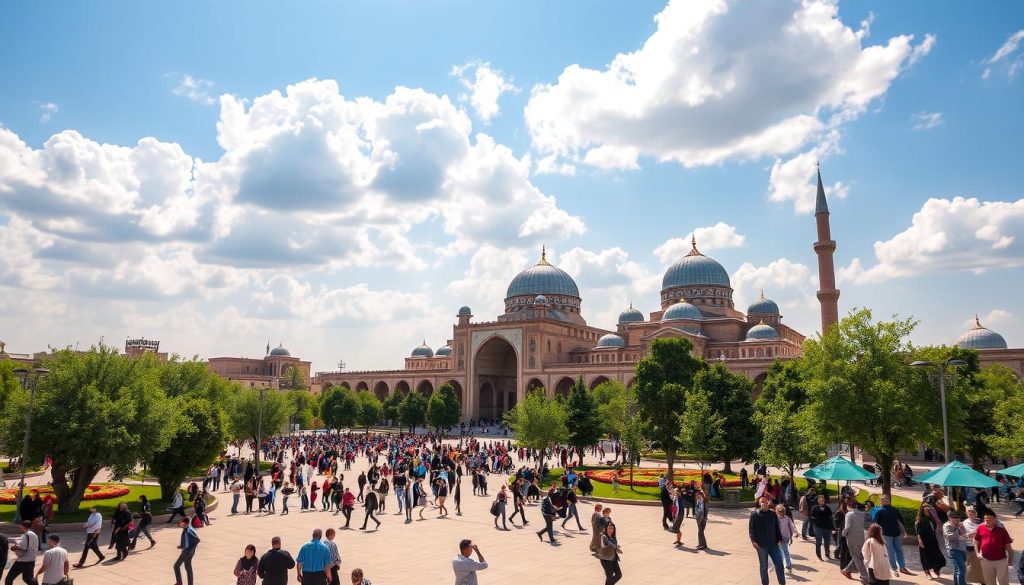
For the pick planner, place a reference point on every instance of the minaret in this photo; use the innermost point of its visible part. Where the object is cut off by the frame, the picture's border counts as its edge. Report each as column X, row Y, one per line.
column 825, row 247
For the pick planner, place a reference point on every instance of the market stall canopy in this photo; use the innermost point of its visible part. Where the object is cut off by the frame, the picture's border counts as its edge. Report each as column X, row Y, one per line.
column 957, row 474
column 839, row 468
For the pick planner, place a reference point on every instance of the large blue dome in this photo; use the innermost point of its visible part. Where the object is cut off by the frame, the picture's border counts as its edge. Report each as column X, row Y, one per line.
column 631, row 315
column 610, row 340
column 444, row 350
column 542, row 279
column 682, row 311
column 695, row 269
column 280, row 351
column 762, row 332
column 763, row 306
column 423, row 351
column 979, row 337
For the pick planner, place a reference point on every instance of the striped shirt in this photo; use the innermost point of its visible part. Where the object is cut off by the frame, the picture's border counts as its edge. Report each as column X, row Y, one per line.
column 314, row 556
column 335, row 555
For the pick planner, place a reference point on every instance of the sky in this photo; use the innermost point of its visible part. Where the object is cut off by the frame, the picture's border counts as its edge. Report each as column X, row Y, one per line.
column 341, row 177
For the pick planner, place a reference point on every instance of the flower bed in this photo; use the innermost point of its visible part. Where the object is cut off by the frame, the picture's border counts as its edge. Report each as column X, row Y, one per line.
column 92, row 492
column 647, row 477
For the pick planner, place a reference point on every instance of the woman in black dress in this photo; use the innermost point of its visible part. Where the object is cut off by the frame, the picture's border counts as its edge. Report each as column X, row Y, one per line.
column 119, row 523
column 932, row 559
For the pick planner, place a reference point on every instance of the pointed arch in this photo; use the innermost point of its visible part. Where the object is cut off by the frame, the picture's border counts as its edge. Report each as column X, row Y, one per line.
column 362, row 386
column 402, row 387
column 598, row 380
column 381, row 390
column 563, row 386
column 426, row 388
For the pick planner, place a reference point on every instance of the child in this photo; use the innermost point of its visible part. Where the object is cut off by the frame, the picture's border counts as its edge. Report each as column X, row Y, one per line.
column 615, row 484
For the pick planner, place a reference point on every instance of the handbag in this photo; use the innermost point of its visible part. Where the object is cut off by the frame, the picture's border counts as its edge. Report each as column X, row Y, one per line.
column 494, row 508
column 606, row 552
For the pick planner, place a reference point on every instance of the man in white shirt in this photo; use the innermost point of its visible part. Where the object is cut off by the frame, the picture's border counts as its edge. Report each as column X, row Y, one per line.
column 25, row 551
column 92, row 526
column 177, row 506
column 55, row 562
column 465, row 568
column 236, row 494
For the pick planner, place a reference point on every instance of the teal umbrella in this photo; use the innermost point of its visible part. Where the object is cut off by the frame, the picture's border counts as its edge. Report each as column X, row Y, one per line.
column 957, row 474
column 1015, row 471
column 839, row 468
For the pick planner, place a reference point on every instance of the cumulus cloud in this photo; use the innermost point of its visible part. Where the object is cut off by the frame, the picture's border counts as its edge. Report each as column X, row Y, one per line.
column 715, row 82
column 1007, row 57
column 795, row 180
column 606, row 268
column 483, row 285
column 948, row 236
column 47, row 110
column 485, row 86
column 790, row 284
column 993, row 318
column 715, row 237
column 195, row 89
column 926, row 120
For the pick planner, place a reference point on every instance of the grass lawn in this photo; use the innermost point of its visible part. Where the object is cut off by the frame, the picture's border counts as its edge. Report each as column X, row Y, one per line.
column 106, row 507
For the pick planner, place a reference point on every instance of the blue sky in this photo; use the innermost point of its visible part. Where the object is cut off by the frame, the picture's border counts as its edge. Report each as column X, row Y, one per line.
column 263, row 178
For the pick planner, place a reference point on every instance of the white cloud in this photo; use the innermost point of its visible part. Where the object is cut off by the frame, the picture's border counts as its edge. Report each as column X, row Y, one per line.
column 485, row 282
column 607, row 268
column 485, row 88
column 716, row 82
column 926, row 120
column 795, row 180
column 1006, row 56
column 790, row 284
column 949, row 236
column 47, row 110
column 715, row 237
column 613, row 157
column 992, row 319
column 922, row 49
column 195, row 89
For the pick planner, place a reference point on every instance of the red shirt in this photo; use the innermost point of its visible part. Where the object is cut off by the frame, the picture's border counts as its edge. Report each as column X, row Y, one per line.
column 992, row 542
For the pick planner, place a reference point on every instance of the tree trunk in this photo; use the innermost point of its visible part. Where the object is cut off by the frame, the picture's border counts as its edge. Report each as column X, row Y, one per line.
column 791, row 478
column 670, row 458
column 69, row 497
column 885, row 462
column 581, row 450
column 728, row 467
column 167, row 488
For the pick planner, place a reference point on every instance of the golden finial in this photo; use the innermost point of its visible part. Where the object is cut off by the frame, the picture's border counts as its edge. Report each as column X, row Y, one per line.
column 762, row 293
column 543, row 256
column 977, row 322
column 630, row 305
column 693, row 244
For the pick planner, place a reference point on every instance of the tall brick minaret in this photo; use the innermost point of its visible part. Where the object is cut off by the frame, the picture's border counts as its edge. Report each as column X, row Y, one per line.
column 828, row 295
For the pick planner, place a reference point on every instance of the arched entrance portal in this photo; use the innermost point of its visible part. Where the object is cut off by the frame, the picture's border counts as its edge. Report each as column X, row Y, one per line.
column 381, row 390
column 563, row 386
column 495, row 368
column 598, row 380
column 361, row 386
column 457, row 388
column 533, row 384
column 425, row 388
column 402, row 387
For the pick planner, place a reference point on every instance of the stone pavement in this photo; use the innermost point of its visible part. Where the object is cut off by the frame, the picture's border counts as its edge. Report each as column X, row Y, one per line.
column 421, row 552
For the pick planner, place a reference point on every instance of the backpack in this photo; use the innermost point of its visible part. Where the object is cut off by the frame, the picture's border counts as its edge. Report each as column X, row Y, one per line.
column 197, row 522
column 547, row 508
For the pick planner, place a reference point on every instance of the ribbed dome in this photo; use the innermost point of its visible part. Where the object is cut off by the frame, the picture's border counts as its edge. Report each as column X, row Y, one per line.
column 542, row 279
column 631, row 315
column 423, row 351
column 763, row 306
column 540, row 300
column 979, row 337
column 465, row 311
column 761, row 332
column 444, row 350
column 610, row 340
column 280, row 351
column 682, row 311
column 695, row 269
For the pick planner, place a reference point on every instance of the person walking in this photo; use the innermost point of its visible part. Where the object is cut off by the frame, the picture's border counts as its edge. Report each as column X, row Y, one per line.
column 932, row 559
column 400, row 482
column 700, row 515
column 891, row 523
column 442, row 495
column 313, row 561
column 971, row 524
column 93, row 526
column 608, row 553
column 361, row 482
column 370, row 505
column 498, row 508
column 548, row 511
column 853, row 532
column 876, row 557
column 821, row 517
column 177, row 507
column 518, row 504
column 766, row 536
column 994, row 546
column 788, row 529
column 955, row 536
column 119, row 523
column 274, row 564
column 332, row 547
column 806, row 503
column 348, row 503
column 596, row 528
column 570, row 505
column 54, row 568
column 25, row 551
column 464, row 567
column 145, row 519
column 665, row 494
column 189, row 543
column 679, row 510
column 245, row 567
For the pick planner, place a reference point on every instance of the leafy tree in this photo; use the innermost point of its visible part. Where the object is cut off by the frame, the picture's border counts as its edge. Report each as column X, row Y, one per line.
column 444, row 410
column 786, row 440
column 369, row 410
column 862, row 389
column 389, row 408
column 730, row 396
column 293, row 379
column 200, row 437
column 412, row 411
column 1007, row 436
column 633, row 441
column 785, row 378
column 538, row 422
column 613, row 400
column 582, row 418
column 301, row 407
column 245, row 414
column 98, row 409
column 10, row 384
column 662, row 378
column 702, row 431
column 339, row 408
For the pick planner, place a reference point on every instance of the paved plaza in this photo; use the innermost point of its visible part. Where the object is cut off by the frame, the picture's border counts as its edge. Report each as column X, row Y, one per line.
column 421, row 552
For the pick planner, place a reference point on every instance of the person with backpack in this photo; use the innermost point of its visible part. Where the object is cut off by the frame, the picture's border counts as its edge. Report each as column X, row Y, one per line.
column 189, row 543
column 548, row 509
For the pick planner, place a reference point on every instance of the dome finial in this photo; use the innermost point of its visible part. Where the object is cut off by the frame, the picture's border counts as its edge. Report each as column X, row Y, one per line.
column 762, row 293
column 543, row 256
column 693, row 244
column 977, row 322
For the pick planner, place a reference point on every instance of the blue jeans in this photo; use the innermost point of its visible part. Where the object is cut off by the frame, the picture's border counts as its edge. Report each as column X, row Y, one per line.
column 785, row 554
column 894, row 546
column 234, row 502
column 959, row 559
column 185, row 558
column 805, row 527
column 763, row 553
column 400, row 496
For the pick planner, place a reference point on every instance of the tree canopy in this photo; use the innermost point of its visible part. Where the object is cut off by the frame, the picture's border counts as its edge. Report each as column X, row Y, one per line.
column 787, row 439
column 582, row 418
column 245, row 413
column 389, row 407
column 200, row 437
column 730, row 397
column 538, row 421
column 443, row 409
column 412, row 411
column 339, row 408
column 369, row 409
column 702, row 432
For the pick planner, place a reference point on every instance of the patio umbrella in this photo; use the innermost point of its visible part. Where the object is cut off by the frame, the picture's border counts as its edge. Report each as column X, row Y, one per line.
column 957, row 474
column 1015, row 471
column 839, row 468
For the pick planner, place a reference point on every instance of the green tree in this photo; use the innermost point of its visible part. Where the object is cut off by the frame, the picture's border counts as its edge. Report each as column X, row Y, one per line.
column 786, row 440
column 293, row 379
column 633, row 442
column 369, row 410
column 730, row 397
column 784, row 377
column 97, row 409
column 245, row 418
column 412, row 412
column 1007, row 436
column 702, row 431
column 582, row 418
column 301, row 408
column 390, row 407
column 444, row 410
column 10, row 384
column 862, row 389
column 538, row 422
column 339, row 408
column 613, row 400
column 201, row 436
column 662, row 378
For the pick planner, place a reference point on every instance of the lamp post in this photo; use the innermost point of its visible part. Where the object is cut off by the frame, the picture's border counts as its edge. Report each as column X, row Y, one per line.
column 29, row 383
column 259, row 433
column 941, row 373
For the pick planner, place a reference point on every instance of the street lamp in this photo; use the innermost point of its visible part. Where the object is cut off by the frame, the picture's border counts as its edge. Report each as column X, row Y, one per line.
column 259, row 434
column 941, row 373
column 29, row 383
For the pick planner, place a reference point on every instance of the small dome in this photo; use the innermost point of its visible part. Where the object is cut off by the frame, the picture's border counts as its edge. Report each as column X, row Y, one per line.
column 695, row 269
column 280, row 351
column 423, row 351
column 610, row 340
column 682, row 311
column 465, row 311
column 763, row 306
column 540, row 300
column 631, row 315
column 542, row 279
column 761, row 332
column 979, row 337
column 444, row 350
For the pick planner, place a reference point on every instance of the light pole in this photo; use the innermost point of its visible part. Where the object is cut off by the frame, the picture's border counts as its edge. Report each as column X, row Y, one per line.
column 27, row 382
column 259, row 434
column 941, row 373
